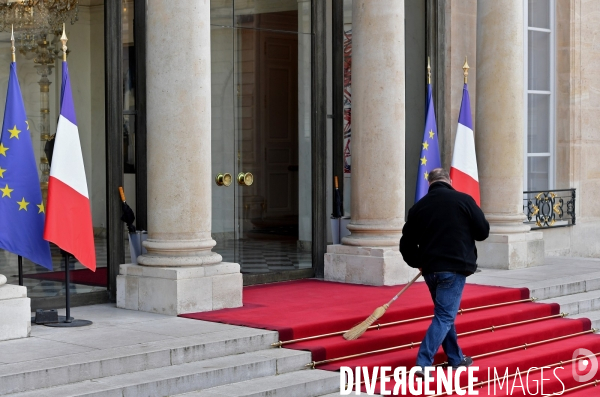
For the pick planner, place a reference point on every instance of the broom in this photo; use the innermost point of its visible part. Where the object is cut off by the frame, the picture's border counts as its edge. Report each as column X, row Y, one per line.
column 360, row 329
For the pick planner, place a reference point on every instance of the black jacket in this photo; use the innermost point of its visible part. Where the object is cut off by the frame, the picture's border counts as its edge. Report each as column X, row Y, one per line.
column 440, row 231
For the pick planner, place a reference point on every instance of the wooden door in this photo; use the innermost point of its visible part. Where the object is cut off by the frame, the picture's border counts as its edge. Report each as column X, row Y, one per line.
column 278, row 122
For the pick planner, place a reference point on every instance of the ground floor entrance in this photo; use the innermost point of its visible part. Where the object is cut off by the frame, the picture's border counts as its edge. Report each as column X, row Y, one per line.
column 261, row 135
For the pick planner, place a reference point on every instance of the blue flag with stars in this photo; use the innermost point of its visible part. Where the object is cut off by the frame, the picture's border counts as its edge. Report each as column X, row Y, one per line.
column 430, row 152
column 22, row 213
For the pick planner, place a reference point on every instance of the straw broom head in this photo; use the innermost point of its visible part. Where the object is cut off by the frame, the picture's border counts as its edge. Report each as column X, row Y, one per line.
column 360, row 329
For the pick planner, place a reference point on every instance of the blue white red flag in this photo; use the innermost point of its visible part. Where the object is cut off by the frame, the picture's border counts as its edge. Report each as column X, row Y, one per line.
column 463, row 170
column 21, row 206
column 430, row 152
column 69, row 218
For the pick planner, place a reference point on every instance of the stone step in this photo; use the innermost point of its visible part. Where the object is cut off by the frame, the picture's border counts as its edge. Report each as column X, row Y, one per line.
column 183, row 378
column 307, row 383
column 577, row 303
column 567, row 285
column 594, row 316
column 337, row 394
column 61, row 370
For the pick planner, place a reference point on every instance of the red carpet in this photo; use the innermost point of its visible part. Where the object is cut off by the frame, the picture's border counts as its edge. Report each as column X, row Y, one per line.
column 304, row 308
column 80, row 276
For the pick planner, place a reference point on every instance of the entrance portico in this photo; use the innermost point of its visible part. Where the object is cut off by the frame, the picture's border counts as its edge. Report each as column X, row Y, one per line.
column 189, row 142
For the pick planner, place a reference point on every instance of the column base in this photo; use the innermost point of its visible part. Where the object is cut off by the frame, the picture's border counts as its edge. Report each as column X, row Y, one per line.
column 15, row 311
column 173, row 290
column 367, row 265
column 511, row 251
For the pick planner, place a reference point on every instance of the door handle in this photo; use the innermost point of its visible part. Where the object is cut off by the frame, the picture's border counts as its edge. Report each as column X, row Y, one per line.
column 223, row 179
column 245, row 178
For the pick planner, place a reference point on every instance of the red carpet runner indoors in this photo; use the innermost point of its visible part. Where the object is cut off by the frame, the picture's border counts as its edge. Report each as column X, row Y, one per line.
column 79, row 276
column 513, row 334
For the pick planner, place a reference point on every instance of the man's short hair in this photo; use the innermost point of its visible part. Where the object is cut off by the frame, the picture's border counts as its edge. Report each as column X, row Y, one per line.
column 438, row 175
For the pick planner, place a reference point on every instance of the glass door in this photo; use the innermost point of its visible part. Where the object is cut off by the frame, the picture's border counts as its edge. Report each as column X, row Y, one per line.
column 262, row 132
column 223, row 142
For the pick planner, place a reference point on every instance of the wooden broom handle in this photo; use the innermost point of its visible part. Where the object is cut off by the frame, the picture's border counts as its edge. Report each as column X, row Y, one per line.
column 122, row 193
column 405, row 288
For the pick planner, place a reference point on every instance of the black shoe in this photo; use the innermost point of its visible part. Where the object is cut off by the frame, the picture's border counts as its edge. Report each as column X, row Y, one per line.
column 466, row 362
column 419, row 374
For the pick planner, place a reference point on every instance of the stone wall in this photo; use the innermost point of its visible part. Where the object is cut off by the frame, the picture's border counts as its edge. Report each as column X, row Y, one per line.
column 577, row 132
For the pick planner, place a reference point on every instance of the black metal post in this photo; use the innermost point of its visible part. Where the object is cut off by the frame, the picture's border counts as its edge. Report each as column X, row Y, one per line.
column 113, row 81
column 68, row 321
column 68, row 290
column 20, row 270
column 319, row 137
column 573, row 198
column 337, row 78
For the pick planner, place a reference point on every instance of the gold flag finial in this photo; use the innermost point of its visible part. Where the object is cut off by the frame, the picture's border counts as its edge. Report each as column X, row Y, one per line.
column 64, row 40
column 466, row 69
column 428, row 71
column 12, row 43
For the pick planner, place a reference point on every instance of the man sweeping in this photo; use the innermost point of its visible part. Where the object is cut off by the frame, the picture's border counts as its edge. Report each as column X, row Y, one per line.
column 439, row 238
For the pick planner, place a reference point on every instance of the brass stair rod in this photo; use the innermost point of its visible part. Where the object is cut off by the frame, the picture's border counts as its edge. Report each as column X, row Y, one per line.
column 413, row 344
column 495, row 327
column 482, row 383
column 526, row 345
column 378, row 326
column 593, row 383
column 560, row 363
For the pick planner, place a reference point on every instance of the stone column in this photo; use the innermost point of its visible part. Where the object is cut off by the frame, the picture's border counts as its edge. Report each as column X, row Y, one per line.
column 500, row 124
column 180, row 273
column 370, row 254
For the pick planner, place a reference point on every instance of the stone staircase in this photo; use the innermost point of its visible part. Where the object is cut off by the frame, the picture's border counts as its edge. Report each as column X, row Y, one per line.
column 577, row 295
column 233, row 363
column 228, row 361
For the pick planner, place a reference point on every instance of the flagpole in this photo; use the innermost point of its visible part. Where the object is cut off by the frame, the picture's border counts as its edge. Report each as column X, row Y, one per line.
column 14, row 59
column 12, row 43
column 68, row 321
column 68, row 318
column 20, row 270
column 428, row 71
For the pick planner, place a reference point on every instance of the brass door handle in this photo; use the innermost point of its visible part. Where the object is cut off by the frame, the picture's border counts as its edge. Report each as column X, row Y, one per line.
column 223, row 179
column 245, row 178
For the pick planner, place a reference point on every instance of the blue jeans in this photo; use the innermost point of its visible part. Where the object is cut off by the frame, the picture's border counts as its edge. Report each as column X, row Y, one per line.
column 446, row 290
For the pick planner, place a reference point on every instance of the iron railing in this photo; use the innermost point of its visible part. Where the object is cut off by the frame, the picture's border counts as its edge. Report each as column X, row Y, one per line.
column 545, row 209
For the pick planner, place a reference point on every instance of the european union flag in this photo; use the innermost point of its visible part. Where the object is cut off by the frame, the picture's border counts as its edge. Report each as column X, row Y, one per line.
column 22, row 213
column 430, row 152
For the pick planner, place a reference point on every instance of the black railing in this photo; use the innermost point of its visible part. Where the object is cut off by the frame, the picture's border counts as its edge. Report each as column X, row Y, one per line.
column 553, row 208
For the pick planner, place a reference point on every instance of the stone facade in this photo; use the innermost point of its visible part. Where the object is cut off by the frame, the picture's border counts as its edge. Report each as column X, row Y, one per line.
column 491, row 34
column 577, row 133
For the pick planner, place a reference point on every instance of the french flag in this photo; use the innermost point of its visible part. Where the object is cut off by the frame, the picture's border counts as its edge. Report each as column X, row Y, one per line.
column 68, row 214
column 463, row 170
